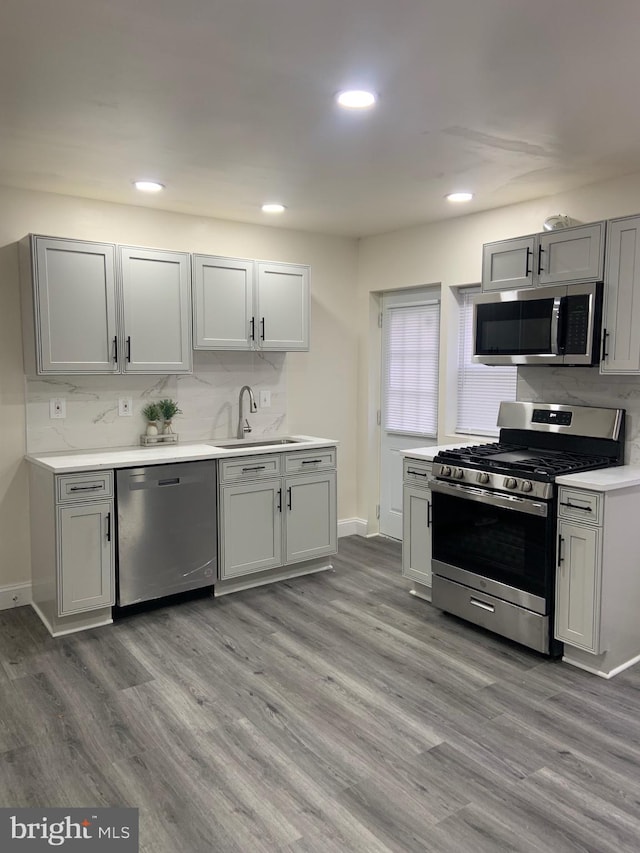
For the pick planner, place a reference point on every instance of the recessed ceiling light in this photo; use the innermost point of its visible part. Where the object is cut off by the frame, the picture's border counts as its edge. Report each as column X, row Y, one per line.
column 459, row 197
column 273, row 207
column 356, row 99
column 148, row 186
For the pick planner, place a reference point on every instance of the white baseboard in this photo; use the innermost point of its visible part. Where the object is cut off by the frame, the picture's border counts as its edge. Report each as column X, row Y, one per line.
column 15, row 595
column 352, row 527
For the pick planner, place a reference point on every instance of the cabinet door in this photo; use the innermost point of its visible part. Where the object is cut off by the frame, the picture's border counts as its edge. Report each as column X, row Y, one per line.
column 156, row 311
column 577, row 619
column 85, row 557
column 416, row 534
column 621, row 349
column 508, row 264
column 75, row 303
column 572, row 254
column 251, row 527
column 282, row 307
column 311, row 528
column 223, row 303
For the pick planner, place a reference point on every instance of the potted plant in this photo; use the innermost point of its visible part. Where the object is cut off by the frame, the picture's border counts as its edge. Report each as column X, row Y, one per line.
column 153, row 414
column 168, row 409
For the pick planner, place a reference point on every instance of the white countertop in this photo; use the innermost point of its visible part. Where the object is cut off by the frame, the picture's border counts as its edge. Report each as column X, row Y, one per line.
column 429, row 453
column 603, row 479
column 125, row 457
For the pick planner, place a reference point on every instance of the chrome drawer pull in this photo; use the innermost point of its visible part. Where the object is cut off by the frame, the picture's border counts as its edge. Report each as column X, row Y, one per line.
column 482, row 605
column 85, row 488
column 255, row 468
column 576, row 506
column 310, row 461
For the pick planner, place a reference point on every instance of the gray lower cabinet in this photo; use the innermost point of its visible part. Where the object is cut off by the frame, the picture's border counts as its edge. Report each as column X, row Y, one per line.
column 101, row 308
column 241, row 304
column 578, row 583
column 85, row 557
column 72, row 548
column 269, row 522
column 251, row 529
column 416, row 522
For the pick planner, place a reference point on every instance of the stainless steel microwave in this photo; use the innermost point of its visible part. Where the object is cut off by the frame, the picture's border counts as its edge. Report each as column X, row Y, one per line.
column 547, row 325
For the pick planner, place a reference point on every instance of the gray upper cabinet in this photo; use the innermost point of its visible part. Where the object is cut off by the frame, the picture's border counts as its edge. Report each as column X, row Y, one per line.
column 101, row 308
column 508, row 264
column 621, row 334
column 551, row 257
column 156, row 311
column 69, row 306
column 570, row 254
column 282, row 307
column 241, row 304
column 222, row 303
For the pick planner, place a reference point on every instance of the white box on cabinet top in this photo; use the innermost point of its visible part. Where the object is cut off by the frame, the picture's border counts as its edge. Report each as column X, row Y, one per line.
column 100, row 308
column 241, row 304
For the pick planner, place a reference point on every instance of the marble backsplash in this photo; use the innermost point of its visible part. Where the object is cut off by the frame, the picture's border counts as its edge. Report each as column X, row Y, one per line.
column 208, row 398
column 584, row 386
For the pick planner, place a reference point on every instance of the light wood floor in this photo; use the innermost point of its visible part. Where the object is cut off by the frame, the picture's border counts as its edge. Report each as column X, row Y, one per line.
column 330, row 713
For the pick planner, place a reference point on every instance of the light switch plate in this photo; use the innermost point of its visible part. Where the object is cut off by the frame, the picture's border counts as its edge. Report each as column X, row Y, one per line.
column 265, row 399
column 57, row 407
column 125, row 407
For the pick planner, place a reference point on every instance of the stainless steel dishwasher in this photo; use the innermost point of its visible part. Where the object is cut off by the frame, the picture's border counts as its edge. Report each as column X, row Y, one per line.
column 167, row 530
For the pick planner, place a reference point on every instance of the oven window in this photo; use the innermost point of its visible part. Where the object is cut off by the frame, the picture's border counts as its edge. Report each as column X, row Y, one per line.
column 507, row 546
column 514, row 328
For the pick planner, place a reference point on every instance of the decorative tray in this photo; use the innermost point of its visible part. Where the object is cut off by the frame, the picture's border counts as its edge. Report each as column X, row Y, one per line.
column 169, row 438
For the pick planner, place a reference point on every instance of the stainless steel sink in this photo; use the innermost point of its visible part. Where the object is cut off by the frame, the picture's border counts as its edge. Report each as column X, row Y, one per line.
column 254, row 442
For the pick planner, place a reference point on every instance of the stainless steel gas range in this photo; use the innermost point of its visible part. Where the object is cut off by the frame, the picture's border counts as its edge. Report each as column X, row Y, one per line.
column 494, row 515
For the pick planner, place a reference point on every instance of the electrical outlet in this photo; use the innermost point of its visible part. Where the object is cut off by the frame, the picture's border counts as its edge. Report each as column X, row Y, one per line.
column 265, row 399
column 57, row 407
column 125, row 407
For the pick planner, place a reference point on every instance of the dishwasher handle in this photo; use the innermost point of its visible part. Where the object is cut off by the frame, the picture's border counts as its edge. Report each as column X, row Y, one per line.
column 170, row 481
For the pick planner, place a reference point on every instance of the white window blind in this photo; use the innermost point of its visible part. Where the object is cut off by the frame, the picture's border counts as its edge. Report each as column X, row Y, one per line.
column 410, row 369
column 480, row 388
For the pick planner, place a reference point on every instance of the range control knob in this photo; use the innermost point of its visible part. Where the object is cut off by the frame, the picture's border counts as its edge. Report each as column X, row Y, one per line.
column 446, row 470
column 458, row 473
column 482, row 477
column 527, row 486
column 510, row 483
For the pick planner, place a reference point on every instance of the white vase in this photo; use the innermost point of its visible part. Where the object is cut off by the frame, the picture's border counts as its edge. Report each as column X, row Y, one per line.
column 152, row 428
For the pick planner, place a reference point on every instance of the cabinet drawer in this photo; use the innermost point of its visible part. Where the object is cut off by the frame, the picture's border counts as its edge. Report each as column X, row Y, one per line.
column 309, row 460
column 87, row 486
column 579, row 505
column 416, row 471
column 248, row 468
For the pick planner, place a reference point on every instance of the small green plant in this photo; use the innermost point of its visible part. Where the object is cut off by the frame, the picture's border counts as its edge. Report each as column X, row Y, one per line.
column 168, row 409
column 152, row 412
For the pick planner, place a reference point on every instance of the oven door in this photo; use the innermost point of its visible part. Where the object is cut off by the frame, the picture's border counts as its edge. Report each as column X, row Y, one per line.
column 497, row 543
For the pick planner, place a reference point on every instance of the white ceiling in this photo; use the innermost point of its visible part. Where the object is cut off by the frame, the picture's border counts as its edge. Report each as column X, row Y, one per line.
column 231, row 103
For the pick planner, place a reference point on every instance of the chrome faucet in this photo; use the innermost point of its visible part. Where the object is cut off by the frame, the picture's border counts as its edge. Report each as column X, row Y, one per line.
column 244, row 427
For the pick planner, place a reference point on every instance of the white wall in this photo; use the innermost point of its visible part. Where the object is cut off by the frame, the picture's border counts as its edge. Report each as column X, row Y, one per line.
column 450, row 253
column 317, row 389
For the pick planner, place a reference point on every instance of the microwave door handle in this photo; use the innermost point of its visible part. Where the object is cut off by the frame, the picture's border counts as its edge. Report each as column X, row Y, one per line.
column 555, row 325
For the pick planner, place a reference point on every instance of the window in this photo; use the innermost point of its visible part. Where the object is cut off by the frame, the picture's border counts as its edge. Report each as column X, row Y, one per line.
column 410, row 369
column 480, row 388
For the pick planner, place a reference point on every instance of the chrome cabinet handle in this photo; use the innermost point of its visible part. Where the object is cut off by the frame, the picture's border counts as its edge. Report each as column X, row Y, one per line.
column 310, row 461
column 85, row 488
column 255, row 468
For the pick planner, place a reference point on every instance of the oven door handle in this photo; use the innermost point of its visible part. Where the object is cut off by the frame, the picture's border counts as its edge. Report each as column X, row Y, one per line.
column 471, row 493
